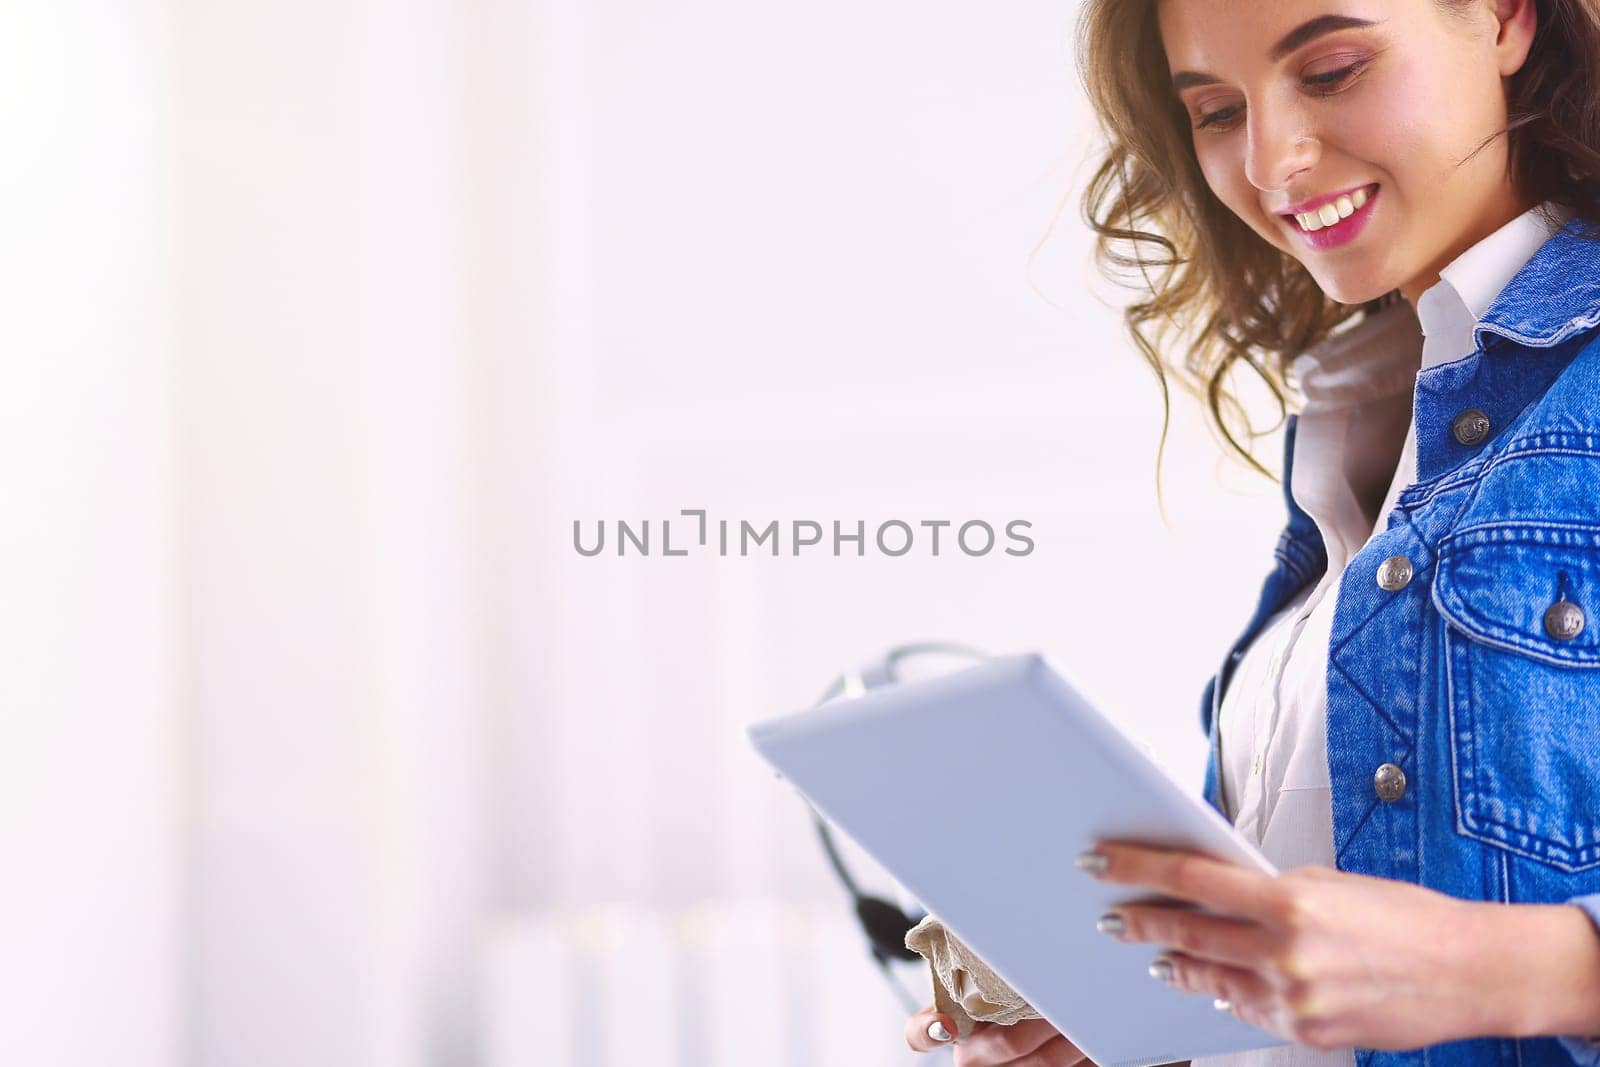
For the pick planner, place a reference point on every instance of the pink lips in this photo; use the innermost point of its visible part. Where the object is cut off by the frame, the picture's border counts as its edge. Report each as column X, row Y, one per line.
column 1341, row 232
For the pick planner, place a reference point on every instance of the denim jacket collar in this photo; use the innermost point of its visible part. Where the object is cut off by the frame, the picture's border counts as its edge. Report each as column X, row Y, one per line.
column 1547, row 308
column 1555, row 295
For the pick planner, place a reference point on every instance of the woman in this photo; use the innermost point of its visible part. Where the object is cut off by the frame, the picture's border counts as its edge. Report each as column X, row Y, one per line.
column 1391, row 205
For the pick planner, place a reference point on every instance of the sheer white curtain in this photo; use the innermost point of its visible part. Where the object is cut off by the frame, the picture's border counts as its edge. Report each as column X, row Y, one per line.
column 254, row 305
column 91, row 669
column 341, row 189
column 323, row 321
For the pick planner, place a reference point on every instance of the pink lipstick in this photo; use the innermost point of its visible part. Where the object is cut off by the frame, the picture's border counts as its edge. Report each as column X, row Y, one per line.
column 1349, row 212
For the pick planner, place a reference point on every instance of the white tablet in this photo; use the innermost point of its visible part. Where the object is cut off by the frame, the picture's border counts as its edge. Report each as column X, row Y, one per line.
column 1045, row 775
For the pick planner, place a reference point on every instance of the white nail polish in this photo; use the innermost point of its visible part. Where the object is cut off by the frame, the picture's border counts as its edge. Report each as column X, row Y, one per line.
column 937, row 1031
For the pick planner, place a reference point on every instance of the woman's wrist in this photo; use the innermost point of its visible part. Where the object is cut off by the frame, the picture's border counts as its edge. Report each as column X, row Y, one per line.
column 1539, row 969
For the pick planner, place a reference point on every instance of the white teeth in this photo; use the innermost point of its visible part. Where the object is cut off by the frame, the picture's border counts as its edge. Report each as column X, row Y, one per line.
column 1328, row 214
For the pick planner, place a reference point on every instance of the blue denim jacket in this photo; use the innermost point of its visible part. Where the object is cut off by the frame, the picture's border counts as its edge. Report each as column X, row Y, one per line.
column 1456, row 678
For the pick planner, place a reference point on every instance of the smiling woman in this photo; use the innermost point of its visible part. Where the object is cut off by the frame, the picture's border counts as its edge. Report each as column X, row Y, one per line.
column 1231, row 120
column 1389, row 210
column 1375, row 104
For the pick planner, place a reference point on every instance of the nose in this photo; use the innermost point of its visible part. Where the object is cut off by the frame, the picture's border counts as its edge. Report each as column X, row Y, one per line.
column 1281, row 146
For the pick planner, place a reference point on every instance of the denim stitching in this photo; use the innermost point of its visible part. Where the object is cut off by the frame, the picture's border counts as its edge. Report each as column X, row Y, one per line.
column 1471, row 822
column 1454, row 606
column 1388, row 720
column 1422, row 492
column 1565, row 331
column 1372, row 806
column 1293, row 565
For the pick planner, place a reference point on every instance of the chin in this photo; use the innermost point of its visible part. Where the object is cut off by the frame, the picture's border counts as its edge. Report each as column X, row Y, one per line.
column 1353, row 290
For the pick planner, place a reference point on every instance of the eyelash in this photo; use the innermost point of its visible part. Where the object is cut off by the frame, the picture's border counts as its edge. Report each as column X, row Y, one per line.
column 1327, row 82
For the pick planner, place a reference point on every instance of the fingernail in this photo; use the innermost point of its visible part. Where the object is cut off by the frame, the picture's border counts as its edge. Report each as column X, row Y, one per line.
column 1222, row 1005
column 1110, row 923
column 937, row 1031
column 1093, row 862
column 1161, row 970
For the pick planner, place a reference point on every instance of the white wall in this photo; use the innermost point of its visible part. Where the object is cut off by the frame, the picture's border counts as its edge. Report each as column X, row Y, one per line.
column 330, row 369
column 789, row 277
column 325, row 321
column 92, row 790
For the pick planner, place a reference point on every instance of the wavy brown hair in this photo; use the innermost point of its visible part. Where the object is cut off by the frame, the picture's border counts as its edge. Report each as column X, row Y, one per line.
column 1203, row 278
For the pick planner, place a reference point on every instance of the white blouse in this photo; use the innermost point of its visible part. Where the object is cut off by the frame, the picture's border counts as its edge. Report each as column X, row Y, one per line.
column 1354, row 451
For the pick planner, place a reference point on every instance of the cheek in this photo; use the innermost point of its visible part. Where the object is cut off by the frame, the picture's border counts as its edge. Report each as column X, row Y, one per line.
column 1224, row 173
column 1430, row 117
column 1223, row 167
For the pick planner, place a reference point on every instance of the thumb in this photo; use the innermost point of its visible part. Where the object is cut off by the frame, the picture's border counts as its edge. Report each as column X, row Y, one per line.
column 928, row 1030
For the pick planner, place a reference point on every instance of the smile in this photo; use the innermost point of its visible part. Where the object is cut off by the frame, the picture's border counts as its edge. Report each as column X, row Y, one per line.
column 1336, row 221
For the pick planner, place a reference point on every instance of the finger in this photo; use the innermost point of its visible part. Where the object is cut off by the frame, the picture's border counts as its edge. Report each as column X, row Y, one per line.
column 1256, row 1013
column 1240, row 942
column 1226, row 888
column 1241, row 987
column 917, row 1036
column 993, row 1045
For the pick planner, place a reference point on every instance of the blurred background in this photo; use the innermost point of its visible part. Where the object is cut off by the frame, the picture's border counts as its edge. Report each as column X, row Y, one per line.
column 321, row 326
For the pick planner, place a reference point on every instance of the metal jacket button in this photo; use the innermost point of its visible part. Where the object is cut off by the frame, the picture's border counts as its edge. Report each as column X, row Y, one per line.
column 1390, row 782
column 1470, row 427
column 1564, row 620
column 1394, row 573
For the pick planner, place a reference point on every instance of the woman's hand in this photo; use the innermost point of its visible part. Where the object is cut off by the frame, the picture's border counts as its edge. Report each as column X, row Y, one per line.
column 1314, row 955
column 1030, row 1043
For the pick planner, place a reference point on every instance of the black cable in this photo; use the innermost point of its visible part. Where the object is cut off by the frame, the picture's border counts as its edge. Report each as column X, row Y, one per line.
column 883, row 921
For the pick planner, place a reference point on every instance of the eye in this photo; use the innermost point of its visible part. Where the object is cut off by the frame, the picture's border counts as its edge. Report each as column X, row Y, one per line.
column 1334, row 78
column 1325, row 83
column 1218, row 117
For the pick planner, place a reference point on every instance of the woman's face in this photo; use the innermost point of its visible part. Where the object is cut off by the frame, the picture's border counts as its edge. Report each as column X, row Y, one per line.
column 1360, row 116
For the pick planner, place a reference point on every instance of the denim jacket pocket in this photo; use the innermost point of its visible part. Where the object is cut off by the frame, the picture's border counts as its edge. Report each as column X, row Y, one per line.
column 1522, row 690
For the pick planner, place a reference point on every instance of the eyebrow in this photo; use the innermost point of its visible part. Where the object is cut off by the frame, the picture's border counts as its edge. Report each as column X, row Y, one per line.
column 1302, row 34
